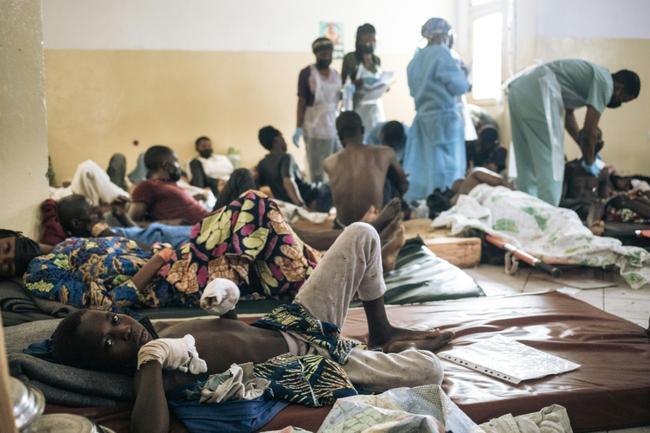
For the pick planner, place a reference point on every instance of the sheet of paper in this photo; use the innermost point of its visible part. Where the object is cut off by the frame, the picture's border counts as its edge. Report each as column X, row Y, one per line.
column 508, row 359
column 378, row 88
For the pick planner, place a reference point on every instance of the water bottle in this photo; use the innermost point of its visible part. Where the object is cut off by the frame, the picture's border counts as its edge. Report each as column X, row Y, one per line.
column 348, row 95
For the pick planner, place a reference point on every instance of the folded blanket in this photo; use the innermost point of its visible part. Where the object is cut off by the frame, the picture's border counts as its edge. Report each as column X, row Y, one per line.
column 71, row 386
column 61, row 384
column 18, row 306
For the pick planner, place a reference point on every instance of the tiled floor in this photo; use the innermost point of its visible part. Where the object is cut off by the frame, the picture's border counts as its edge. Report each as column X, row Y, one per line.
column 617, row 298
column 609, row 292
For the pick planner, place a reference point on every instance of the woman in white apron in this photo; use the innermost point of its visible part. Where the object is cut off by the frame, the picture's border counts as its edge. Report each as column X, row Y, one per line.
column 318, row 120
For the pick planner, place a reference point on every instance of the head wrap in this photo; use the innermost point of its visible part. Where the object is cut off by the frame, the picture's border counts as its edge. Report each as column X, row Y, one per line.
column 322, row 44
column 434, row 27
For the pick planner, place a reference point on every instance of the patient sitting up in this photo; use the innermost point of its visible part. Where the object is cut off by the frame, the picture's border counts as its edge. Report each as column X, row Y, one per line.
column 159, row 198
column 279, row 171
column 208, row 169
column 308, row 326
column 358, row 172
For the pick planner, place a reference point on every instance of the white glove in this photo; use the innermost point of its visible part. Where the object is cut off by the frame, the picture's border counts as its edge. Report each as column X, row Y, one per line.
column 219, row 296
column 173, row 354
column 296, row 137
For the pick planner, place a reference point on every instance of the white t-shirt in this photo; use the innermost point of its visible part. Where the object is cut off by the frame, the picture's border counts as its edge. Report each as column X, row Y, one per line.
column 217, row 166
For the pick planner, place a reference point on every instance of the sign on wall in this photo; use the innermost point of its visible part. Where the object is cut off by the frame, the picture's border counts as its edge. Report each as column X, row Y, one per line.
column 333, row 31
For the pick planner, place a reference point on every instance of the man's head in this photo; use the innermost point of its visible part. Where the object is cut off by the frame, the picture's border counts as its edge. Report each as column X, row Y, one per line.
column 241, row 180
column 349, row 126
column 323, row 49
column 99, row 340
column 627, row 86
column 271, row 139
column 488, row 138
column 162, row 162
column 77, row 215
column 16, row 251
column 203, row 146
column 393, row 135
column 437, row 31
column 439, row 202
column 365, row 42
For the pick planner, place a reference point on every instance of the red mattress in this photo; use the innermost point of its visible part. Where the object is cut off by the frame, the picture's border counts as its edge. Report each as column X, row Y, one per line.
column 610, row 390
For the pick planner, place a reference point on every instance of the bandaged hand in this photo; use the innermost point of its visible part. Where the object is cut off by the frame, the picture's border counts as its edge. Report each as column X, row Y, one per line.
column 219, row 296
column 173, row 354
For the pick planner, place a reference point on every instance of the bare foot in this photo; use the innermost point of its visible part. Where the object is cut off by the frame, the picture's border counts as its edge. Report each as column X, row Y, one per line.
column 387, row 214
column 391, row 229
column 371, row 215
column 433, row 343
column 390, row 251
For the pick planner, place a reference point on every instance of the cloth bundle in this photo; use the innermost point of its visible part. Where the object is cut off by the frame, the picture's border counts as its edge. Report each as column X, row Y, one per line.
column 237, row 383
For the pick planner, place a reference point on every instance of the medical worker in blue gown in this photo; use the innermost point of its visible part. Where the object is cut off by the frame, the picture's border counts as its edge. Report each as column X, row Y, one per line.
column 542, row 100
column 435, row 147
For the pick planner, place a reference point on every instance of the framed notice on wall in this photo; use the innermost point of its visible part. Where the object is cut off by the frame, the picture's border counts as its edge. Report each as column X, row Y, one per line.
column 333, row 31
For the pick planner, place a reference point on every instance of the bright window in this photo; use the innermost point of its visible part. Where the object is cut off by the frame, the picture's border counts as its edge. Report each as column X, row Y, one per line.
column 487, row 49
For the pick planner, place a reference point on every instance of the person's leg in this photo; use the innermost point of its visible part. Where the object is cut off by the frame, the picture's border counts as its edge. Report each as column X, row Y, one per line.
column 92, row 182
column 526, row 180
column 378, row 371
column 382, row 221
column 117, row 170
column 317, row 150
column 351, row 265
column 354, row 265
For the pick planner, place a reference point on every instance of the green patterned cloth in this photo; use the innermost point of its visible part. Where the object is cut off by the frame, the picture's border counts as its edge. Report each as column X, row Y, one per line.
column 294, row 317
column 555, row 235
column 310, row 380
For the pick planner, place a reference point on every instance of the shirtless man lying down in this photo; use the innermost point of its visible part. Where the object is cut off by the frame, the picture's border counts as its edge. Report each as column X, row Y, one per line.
column 108, row 341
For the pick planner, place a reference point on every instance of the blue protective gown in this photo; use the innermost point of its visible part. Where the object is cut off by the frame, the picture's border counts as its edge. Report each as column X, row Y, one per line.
column 435, row 147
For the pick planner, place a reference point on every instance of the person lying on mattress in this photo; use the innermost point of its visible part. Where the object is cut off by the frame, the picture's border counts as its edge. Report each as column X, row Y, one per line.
column 604, row 196
column 79, row 218
column 308, row 328
column 440, row 201
column 247, row 242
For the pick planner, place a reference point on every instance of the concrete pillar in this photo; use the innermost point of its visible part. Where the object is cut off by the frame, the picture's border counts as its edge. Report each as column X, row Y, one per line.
column 23, row 116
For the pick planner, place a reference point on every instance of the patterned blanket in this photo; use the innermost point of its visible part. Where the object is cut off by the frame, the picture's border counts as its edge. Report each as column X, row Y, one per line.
column 555, row 235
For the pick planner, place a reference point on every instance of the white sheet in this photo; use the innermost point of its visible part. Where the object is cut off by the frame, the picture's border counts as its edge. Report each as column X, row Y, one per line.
column 555, row 235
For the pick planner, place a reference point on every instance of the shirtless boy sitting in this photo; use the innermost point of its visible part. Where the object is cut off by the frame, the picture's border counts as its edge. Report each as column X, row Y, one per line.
column 358, row 172
column 108, row 341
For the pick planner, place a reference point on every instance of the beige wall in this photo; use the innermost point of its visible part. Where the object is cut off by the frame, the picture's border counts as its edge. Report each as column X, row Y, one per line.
column 100, row 101
column 23, row 141
column 106, row 88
